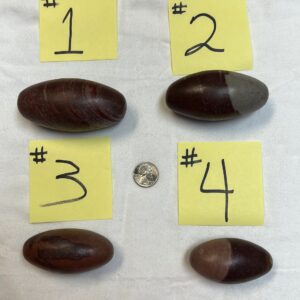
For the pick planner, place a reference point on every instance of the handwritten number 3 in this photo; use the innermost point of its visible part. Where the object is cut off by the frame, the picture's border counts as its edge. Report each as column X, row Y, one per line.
column 69, row 177
column 199, row 46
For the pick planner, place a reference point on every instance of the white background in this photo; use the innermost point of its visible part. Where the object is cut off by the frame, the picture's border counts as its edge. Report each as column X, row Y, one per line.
column 150, row 260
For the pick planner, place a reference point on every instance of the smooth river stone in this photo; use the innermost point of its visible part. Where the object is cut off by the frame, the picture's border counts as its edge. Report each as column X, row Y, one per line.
column 68, row 250
column 230, row 260
column 72, row 105
column 216, row 95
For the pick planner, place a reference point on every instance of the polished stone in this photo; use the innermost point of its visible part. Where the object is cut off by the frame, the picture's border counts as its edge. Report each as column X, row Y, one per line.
column 216, row 95
column 230, row 260
column 72, row 105
column 68, row 250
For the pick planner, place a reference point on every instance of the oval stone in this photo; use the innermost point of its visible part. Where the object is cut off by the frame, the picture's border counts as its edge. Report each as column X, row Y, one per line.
column 230, row 260
column 68, row 250
column 72, row 105
column 216, row 95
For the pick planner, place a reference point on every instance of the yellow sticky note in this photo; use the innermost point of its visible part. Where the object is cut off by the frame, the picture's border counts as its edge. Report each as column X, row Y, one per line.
column 220, row 183
column 78, row 30
column 70, row 179
column 209, row 35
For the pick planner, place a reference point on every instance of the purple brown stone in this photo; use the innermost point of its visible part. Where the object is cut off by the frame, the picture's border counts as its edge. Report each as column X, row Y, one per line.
column 230, row 260
column 72, row 105
column 216, row 95
column 68, row 250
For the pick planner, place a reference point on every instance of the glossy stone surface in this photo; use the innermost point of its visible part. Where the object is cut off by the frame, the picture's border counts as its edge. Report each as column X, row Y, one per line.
column 230, row 260
column 72, row 105
column 68, row 250
column 216, row 95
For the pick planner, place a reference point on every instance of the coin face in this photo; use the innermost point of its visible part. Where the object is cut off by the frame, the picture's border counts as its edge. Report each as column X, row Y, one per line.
column 145, row 174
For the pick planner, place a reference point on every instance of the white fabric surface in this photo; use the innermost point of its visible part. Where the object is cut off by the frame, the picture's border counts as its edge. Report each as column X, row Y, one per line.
column 150, row 260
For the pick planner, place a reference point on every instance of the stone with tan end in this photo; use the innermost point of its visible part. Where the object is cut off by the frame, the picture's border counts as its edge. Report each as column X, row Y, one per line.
column 230, row 260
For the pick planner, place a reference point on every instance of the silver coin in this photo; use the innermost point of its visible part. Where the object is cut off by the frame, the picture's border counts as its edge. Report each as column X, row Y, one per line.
column 145, row 174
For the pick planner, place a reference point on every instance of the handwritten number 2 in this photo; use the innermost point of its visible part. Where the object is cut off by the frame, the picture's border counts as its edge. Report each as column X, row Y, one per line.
column 69, row 177
column 199, row 46
column 226, row 191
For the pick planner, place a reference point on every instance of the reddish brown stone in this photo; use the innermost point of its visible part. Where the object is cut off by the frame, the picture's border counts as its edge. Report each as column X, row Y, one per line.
column 68, row 250
column 72, row 105
column 230, row 260
column 216, row 95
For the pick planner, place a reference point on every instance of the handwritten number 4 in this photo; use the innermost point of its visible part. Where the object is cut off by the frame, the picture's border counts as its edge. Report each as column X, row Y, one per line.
column 199, row 46
column 226, row 191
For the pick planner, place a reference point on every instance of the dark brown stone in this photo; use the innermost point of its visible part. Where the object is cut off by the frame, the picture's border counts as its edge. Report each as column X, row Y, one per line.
column 68, row 250
column 216, row 95
column 72, row 105
column 230, row 260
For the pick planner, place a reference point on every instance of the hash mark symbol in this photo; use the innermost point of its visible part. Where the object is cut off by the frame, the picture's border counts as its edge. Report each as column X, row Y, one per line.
column 178, row 9
column 48, row 4
column 39, row 155
column 189, row 158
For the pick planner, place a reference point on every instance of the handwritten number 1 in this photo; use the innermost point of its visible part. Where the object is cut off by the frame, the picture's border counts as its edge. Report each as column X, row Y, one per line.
column 69, row 51
column 69, row 177
column 226, row 191
column 199, row 46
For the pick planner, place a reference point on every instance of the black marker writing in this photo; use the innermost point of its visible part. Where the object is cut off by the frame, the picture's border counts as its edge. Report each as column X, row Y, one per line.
column 50, row 4
column 199, row 46
column 225, row 191
column 69, row 51
column 189, row 158
column 69, row 177
column 178, row 9
column 38, row 156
